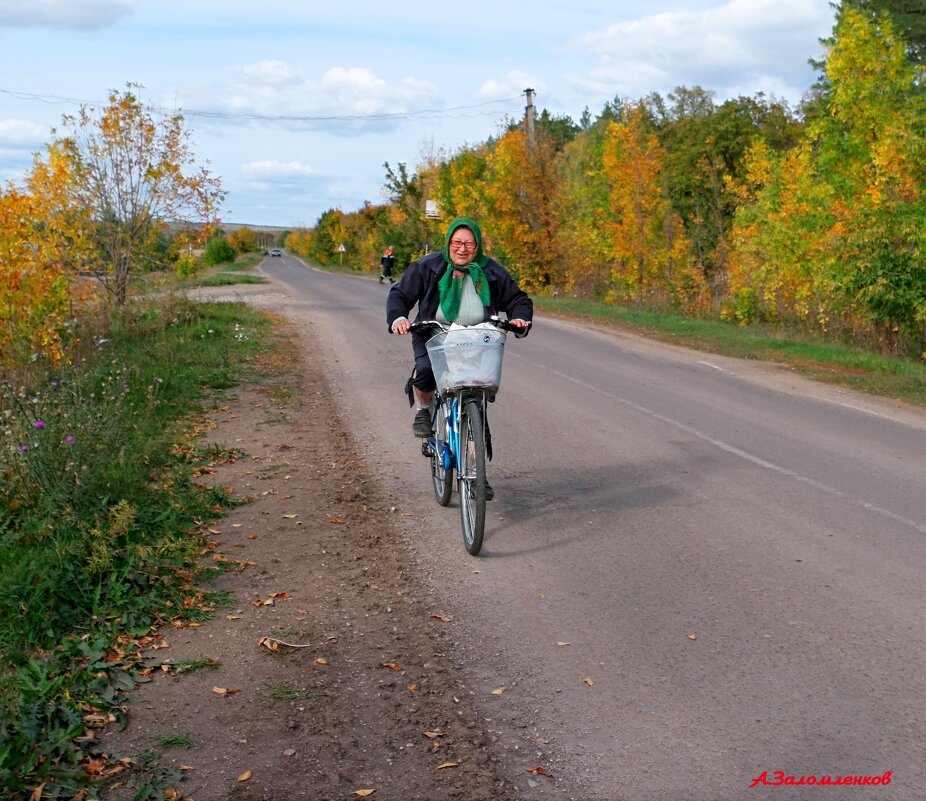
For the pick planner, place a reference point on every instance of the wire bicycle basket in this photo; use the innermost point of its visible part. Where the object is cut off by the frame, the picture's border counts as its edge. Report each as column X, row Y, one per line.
column 467, row 358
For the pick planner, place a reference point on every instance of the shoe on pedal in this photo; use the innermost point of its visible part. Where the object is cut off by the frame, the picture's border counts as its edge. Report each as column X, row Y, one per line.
column 422, row 425
column 490, row 493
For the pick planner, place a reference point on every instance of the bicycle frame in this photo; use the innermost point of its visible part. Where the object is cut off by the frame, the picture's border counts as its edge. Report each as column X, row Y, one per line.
column 449, row 451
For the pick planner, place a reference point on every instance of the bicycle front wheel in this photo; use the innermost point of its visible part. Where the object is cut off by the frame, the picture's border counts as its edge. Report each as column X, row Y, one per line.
column 472, row 476
column 441, row 458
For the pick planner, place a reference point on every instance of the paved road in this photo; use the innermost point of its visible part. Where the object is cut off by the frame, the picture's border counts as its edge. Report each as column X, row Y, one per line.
column 735, row 556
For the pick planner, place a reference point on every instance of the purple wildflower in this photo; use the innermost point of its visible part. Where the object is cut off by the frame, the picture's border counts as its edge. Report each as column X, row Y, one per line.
column 69, row 439
column 23, row 448
column 39, row 424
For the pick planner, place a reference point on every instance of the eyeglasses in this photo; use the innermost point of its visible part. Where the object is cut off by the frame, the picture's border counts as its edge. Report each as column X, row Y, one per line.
column 459, row 244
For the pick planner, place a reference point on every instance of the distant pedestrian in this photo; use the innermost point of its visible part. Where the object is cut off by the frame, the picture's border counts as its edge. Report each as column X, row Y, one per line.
column 387, row 262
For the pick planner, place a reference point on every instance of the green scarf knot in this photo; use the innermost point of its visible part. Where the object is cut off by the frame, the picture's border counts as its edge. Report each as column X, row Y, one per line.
column 450, row 287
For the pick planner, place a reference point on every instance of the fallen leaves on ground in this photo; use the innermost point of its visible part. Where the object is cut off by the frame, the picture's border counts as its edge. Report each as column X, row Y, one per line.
column 392, row 665
column 500, row 691
column 270, row 645
column 539, row 771
column 441, row 618
column 242, row 564
column 364, row 793
column 563, row 644
column 447, row 765
column 270, row 600
column 245, row 776
column 224, row 691
column 589, row 682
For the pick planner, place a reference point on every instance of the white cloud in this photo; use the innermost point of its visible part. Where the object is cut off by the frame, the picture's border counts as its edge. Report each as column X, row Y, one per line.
column 63, row 14
column 270, row 169
column 19, row 134
column 270, row 72
column 511, row 85
column 734, row 48
column 343, row 98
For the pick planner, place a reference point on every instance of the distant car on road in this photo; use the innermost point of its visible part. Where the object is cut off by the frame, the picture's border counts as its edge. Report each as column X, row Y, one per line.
column 276, row 252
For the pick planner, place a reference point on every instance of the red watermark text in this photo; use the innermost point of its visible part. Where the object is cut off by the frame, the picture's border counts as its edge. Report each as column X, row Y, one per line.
column 779, row 778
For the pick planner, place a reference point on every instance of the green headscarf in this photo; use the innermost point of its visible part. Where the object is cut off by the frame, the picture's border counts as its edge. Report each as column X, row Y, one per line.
column 450, row 286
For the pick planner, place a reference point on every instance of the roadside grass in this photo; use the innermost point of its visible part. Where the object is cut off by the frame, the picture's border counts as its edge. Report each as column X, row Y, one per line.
column 229, row 273
column 246, row 261
column 100, row 526
column 835, row 363
column 228, row 279
column 286, row 691
column 173, row 741
column 183, row 666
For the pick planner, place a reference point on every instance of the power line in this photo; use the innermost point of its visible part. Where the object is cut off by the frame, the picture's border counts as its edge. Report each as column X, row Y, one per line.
column 420, row 114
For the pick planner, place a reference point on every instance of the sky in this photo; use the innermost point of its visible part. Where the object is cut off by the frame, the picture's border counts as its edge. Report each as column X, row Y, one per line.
column 297, row 105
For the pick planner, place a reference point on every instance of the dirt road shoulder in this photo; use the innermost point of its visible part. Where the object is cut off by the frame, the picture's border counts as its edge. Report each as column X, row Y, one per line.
column 332, row 673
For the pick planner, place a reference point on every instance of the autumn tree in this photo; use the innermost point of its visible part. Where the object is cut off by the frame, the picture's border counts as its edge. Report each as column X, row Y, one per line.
column 705, row 146
column 908, row 16
column 461, row 184
column 243, row 239
column 649, row 246
column 43, row 247
column 583, row 211
column 781, row 268
column 327, row 236
column 520, row 188
column 299, row 242
column 836, row 227
column 873, row 145
column 135, row 175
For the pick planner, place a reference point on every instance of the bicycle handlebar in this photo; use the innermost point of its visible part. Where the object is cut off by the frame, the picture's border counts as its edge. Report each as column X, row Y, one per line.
column 498, row 322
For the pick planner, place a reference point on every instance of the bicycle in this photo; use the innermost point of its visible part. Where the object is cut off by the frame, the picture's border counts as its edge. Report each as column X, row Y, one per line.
column 467, row 365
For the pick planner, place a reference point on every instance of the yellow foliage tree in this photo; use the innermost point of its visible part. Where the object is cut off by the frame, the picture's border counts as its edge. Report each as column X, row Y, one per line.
column 582, row 208
column 521, row 227
column 44, row 245
column 243, row 239
column 649, row 245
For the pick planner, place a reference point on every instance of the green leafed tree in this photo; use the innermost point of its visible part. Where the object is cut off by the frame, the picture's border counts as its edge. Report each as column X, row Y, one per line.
column 327, row 236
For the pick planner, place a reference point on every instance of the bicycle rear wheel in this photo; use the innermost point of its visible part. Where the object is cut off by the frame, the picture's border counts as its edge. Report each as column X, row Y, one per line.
column 441, row 459
column 472, row 476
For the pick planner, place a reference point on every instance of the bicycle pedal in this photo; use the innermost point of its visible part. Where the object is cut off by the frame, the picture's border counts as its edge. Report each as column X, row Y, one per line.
column 426, row 449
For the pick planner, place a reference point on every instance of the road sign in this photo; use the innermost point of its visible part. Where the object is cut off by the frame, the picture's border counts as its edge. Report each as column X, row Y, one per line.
column 342, row 249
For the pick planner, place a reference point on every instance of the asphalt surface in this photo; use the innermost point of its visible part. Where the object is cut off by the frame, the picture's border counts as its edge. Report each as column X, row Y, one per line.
column 735, row 557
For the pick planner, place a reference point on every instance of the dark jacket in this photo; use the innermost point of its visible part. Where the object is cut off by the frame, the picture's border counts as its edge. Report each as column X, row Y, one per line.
column 419, row 285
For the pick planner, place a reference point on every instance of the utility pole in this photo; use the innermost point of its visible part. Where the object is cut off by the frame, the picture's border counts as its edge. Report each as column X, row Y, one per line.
column 529, row 120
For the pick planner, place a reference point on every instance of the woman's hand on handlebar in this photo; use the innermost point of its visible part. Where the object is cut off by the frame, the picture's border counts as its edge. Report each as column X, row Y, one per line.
column 516, row 325
column 401, row 326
